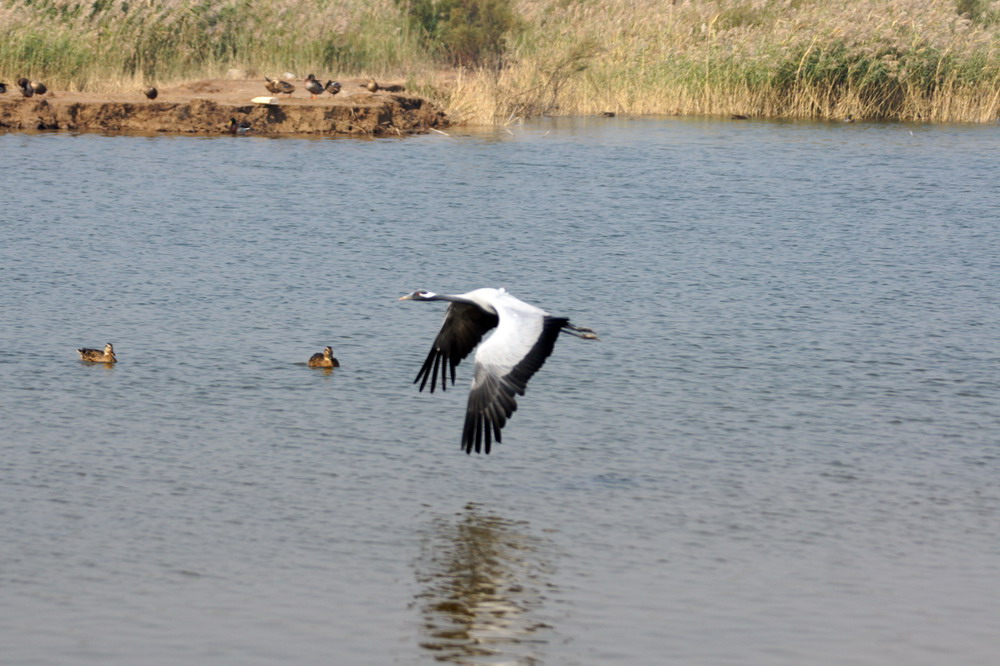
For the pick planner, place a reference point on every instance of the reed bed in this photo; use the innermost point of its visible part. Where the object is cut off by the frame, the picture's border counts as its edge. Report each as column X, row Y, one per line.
column 934, row 60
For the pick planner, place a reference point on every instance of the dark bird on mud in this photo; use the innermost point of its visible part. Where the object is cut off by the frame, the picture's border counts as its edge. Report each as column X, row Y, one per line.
column 333, row 87
column 277, row 86
column 323, row 359
column 98, row 356
column 313, row 86
column 372, row 86
column 150, row 92
column 242, row 127
column 3, row 88
column 525, row 336
column 36, row 87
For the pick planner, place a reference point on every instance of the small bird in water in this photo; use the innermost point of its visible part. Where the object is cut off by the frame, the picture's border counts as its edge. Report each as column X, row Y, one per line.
column 333, row 87
column 98, row 356
column 313, row 86
column 849, row 118
column 242, row 127
column 324, row 359
column 739, row 116
column 150, row 92
column 277, row 86
column 372, row 86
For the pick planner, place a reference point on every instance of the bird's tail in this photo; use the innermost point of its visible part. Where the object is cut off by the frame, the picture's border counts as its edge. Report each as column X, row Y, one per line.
column 580, row 331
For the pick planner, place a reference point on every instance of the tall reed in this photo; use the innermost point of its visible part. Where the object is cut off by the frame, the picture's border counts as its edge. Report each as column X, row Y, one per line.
column 906, row 59
column 109, row 44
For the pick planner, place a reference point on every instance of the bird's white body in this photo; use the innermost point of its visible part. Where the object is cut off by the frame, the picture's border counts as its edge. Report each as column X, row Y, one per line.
column 523, row 339
column 520, row 326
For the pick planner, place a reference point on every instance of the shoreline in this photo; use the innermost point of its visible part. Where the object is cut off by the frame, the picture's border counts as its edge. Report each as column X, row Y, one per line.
column 206, row 106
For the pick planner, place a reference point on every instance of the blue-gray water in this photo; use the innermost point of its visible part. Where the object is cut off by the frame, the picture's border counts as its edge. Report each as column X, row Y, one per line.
column 784, row 450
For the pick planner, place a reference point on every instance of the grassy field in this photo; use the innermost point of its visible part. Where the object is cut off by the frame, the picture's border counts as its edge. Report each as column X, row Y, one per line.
column 934, row 60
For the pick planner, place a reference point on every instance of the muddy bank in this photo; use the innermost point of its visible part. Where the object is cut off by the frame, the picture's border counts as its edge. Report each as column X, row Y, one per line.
column 205, row 107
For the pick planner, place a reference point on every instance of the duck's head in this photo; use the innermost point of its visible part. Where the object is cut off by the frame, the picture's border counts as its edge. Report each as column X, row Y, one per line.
column 328, row 351
column 109, row 349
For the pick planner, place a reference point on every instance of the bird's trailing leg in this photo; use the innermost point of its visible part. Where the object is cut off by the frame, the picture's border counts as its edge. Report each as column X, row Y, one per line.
column 580, row 331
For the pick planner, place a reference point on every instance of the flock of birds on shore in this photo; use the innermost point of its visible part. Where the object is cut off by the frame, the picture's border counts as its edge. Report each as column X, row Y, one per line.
column 313, row 85
column 27, row 87
column 525, row 336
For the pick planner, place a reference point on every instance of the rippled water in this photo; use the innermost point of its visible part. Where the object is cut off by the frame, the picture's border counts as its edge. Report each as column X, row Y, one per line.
column 783, row 451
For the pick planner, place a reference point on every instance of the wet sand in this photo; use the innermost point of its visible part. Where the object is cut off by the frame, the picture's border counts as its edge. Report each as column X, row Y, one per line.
column 205, row 107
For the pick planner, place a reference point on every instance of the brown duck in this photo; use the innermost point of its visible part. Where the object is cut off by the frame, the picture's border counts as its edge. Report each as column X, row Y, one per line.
column 277, row 86
column 323, row 360
column 313, row 86
column 98, row 356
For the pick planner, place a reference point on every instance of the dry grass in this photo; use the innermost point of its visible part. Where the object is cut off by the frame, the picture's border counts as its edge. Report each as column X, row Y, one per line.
column 904, row 59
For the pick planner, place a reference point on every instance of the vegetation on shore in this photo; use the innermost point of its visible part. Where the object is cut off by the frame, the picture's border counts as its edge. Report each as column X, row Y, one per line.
column 493, row 61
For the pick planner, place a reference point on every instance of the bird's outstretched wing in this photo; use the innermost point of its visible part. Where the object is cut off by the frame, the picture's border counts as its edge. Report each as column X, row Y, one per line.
column 500, row 374
column 464, row 326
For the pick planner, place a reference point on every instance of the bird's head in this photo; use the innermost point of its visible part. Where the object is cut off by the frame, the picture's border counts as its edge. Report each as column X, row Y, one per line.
column 419, row 295
column 328, row 351
column 109, row 349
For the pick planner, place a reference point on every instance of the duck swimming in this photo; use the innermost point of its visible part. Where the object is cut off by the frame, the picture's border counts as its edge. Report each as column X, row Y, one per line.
column 277, row 86
column 324, row 360
column 242, row 127
column 313, row 86
column 98, row 356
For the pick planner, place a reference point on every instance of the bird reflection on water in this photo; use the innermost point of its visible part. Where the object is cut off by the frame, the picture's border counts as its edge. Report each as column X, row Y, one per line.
column 483, row 580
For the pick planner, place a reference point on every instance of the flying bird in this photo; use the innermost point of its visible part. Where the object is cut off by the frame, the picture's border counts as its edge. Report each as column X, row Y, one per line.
column 98, row 356
column 524, row 338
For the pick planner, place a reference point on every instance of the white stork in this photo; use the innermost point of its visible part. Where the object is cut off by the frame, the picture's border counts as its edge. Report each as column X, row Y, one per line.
column 524, row 338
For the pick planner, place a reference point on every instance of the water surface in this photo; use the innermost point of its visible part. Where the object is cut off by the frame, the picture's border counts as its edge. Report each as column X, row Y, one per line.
column 784, row 450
